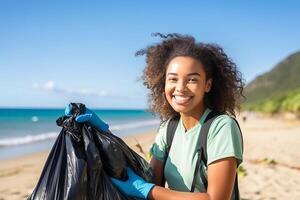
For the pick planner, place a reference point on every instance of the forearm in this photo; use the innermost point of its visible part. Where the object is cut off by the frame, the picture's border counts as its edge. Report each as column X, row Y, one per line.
column 161, row 193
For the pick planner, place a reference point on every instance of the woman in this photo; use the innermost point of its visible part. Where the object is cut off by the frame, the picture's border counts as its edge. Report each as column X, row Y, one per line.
column 190, row 79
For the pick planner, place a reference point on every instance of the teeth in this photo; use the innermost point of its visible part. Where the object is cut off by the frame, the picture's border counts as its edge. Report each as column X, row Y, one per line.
column 181, row 99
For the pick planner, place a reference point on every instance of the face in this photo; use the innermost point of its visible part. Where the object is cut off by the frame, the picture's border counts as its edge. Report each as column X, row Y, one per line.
column 186, row 85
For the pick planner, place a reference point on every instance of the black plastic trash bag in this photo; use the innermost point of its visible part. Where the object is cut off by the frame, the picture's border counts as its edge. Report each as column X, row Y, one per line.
column 82, row 161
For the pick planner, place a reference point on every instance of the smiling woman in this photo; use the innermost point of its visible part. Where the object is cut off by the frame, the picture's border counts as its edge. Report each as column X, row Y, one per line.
column 188, row 82
column 186, row 85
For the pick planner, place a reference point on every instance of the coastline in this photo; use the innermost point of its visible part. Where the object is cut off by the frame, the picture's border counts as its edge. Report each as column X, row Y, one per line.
column 271, row 161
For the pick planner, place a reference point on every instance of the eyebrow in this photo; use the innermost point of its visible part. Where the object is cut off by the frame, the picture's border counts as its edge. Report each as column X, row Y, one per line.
column 191, row 74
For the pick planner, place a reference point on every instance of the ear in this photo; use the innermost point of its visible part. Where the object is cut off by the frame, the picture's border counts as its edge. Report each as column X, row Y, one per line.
column 208, row 85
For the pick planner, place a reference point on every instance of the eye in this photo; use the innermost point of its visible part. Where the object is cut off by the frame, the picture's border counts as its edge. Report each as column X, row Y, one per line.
column 172, row 79
column 192, row 80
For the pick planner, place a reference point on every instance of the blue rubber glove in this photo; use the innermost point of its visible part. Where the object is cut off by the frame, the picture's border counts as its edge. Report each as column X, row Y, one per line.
column 88, row 116
column 134, row 186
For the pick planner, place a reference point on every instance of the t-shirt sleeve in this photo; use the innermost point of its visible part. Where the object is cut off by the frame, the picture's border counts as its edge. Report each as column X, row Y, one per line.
column 159, row 146
column 224, row 140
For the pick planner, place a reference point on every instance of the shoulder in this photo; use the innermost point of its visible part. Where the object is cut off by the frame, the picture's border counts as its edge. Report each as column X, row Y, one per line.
column 222, row 120
column 224, row 139
column 173, row 122
column 159, row 146
column 163, row 126
column 162, row 131
column 224, row 123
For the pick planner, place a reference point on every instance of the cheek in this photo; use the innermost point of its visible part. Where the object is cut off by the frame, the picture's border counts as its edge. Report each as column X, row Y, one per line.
column 168, row 89
column 168, row 92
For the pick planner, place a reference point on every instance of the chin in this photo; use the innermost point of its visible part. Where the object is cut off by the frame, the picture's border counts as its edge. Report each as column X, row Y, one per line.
column 180, row 109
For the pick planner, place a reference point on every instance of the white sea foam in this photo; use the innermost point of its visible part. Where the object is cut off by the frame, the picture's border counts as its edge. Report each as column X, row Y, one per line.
column 27, row 139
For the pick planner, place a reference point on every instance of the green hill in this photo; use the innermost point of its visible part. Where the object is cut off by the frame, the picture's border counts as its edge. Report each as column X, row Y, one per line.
column 289, row 102
column 276, row 90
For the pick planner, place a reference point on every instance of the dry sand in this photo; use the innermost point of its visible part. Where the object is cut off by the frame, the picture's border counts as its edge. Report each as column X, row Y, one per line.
column 274, row 139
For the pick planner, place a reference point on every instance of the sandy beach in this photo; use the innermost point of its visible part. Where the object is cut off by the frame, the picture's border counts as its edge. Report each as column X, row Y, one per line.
column 271, row 162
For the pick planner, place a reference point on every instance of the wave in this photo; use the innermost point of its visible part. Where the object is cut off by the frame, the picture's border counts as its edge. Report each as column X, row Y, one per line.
column 27, row 139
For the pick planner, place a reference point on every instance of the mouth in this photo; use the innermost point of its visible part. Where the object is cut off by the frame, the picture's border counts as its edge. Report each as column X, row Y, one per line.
column 181, row 100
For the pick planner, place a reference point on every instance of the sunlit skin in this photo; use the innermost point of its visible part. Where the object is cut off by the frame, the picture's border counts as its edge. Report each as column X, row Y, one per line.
column 186, row 85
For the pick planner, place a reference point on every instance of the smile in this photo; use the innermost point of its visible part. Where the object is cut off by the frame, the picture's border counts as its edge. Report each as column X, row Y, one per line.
column 181, row 100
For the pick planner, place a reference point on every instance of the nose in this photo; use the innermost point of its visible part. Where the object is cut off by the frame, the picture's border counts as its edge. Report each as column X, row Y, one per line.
column 180, row 86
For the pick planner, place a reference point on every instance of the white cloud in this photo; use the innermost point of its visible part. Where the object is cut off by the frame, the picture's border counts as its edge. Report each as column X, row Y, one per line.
column 50, row 86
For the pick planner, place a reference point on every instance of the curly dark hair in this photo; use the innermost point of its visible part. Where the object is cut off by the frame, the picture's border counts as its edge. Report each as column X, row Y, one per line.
column 226, row 92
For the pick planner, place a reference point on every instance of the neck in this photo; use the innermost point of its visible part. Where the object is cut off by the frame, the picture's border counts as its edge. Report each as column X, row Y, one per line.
column 190, row 120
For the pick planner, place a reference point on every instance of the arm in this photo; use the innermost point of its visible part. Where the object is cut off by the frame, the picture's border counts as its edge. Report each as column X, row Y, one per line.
column 221, row 176
column 161, row 193
column 158, row 169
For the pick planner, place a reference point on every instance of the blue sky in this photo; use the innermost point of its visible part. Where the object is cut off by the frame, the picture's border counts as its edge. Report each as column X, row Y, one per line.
column 54, row 52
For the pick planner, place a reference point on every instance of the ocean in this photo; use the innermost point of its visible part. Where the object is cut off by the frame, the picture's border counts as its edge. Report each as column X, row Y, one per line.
column 25, row 131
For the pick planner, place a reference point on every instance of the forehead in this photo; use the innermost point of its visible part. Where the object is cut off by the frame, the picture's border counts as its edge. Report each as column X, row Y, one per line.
column 184, row 65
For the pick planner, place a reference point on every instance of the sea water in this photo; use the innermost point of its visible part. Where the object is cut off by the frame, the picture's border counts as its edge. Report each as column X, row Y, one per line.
column 24, row 131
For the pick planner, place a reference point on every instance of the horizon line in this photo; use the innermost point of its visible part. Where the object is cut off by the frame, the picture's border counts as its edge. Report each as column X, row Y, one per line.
column 62, row 108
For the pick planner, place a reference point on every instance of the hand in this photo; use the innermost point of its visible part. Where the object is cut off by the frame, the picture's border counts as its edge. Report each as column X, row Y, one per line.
column 134, row 186
column 88, row 116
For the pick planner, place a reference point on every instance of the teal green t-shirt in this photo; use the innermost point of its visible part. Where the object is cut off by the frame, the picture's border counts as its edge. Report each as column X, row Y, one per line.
column 223, row 140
